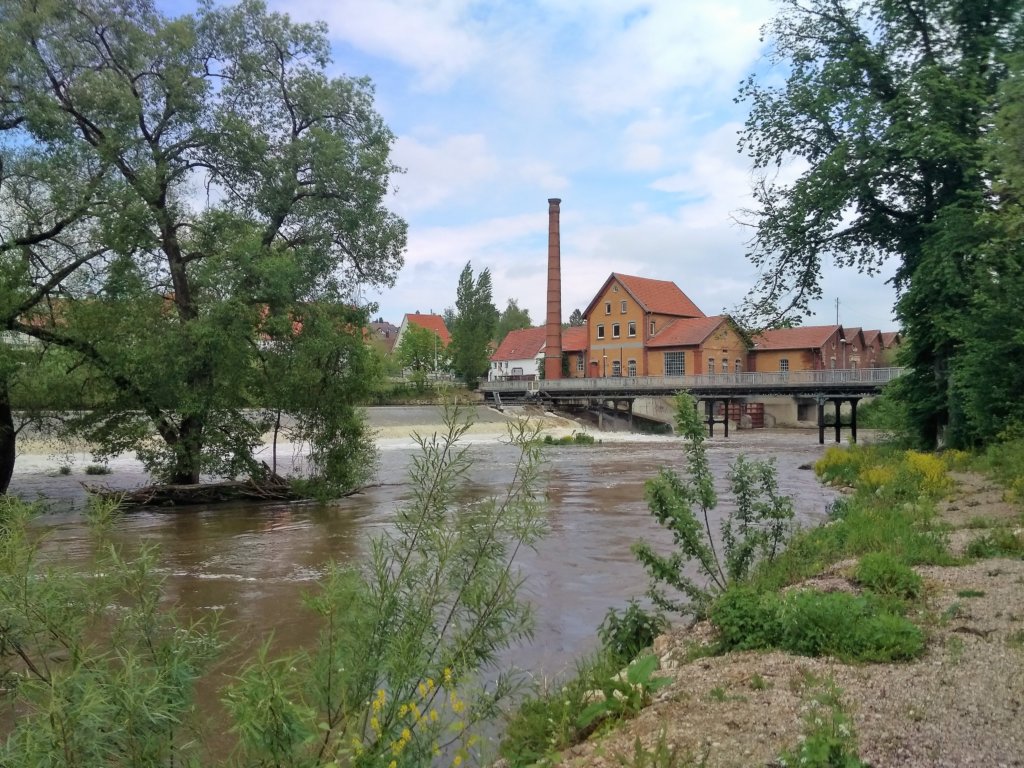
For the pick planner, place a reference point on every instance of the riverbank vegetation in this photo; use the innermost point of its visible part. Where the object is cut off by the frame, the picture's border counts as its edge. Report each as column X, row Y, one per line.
column 97, row 669
column 874, row 609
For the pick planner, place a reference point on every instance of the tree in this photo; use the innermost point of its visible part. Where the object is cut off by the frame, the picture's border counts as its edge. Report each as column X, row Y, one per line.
column 475, row 322
column 576, row 319
column 182, row 193
column 512, row 319
column 988, row 370
column 421, row 351
column 884, row 106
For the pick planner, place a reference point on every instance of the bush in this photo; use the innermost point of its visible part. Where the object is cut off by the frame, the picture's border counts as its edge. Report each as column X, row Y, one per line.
column 98, row 469
column 999, row 542
column 624, row 635
column 882, row 573
column 812, row 623
column 576, row 438
column 828, row 739
column 754, row 531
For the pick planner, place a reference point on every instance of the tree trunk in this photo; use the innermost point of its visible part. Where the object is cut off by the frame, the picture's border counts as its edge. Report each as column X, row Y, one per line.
column 189, row 449
column 8, row 438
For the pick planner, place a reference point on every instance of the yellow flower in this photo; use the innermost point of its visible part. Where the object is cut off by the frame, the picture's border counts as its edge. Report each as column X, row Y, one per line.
column 406, row 734
column 447, row 675
column 433, row 715
column 375, row 723
column 393, row 764
column 430, row 683
column 457, row 761
column 403, row 710
column 422, row 689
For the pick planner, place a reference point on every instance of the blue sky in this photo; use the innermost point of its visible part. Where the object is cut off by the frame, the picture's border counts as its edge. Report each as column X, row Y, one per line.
column 622, row 108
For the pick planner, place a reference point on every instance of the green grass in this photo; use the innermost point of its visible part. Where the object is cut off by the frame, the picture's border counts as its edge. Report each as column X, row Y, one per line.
column 997, row 542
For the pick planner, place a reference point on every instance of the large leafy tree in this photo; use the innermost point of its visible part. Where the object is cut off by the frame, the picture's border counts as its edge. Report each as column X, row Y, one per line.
column 512, row 318
column 884, row 108
column 421, row 351
column 988, row 371
column 180, row 194
column 476, row 319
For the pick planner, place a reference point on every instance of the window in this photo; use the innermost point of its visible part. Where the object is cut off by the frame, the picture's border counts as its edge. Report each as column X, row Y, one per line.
column 616, row 368
column 600, row 331
column 631, row 368
column 607, row 307
column 579, row 363
column 652, row 327
column 737, row 367
column 623, row 305
column 784, row 365
column 632, row 329
column 675, row 364
column 711, row 365
column 616, row 328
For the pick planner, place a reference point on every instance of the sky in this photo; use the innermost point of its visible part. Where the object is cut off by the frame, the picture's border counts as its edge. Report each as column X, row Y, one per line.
column 624, row 109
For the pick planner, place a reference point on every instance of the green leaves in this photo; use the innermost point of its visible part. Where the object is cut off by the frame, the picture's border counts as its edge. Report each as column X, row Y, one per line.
column 474, row 328
column 755, row 529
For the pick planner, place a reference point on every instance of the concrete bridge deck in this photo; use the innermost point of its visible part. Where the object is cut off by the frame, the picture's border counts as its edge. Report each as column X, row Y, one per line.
column 826, row 383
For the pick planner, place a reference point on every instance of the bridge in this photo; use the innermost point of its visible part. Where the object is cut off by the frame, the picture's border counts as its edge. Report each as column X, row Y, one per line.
column 835, row 385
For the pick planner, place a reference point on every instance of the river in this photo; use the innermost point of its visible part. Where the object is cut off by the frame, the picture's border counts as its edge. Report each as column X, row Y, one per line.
column 252, row 562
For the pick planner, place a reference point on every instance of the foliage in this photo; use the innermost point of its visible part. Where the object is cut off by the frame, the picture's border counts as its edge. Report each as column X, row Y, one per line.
column 902, row 474
column 549, row 720
column 576, row 319
column 421, row 352
column 186, row 199
column 393, row 673
column 576, row 438
column 1004, row 461
column 812, row 623
column 100, row 670
column 623, row 635
column 883, row 574
column 98, row 469
column 474, row 326
column 886, row 110
column 512, row 318
column 626, row 693
column 756, row 528
column 999, row 542
column 103, row 671
column 828, row 739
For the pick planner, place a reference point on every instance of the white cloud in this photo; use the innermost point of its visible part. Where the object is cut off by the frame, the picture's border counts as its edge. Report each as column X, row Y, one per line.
column 435, row 173
column 436, row 38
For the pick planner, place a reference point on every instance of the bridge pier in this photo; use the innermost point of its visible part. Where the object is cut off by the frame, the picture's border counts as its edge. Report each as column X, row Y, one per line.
column 837, row 403
column 709, row 413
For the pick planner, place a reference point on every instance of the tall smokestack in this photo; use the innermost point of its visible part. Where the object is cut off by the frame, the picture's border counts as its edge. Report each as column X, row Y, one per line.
column 553, row 346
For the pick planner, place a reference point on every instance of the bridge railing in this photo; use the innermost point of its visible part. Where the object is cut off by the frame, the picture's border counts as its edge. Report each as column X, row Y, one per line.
column 724, row 381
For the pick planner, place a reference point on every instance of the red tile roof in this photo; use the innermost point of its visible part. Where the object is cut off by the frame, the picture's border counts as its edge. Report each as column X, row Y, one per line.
column 687, row 332
column 889, row 338
column 523, row 344
column 660, row 296
column 804, row 337
column 574, row 339
column 873, row 337
column 433, row 323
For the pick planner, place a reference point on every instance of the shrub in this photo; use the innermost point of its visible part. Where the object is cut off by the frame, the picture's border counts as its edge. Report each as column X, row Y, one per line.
column 882, row 573
column 755, row 530
column 813, row 623
column 998, row 542
column 98, row 469
column 624, row 635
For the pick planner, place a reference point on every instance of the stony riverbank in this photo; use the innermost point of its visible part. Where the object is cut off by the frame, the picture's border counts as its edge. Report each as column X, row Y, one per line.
column 960, row 704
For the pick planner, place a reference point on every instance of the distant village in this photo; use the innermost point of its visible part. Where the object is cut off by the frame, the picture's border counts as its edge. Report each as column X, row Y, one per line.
column 638, row 326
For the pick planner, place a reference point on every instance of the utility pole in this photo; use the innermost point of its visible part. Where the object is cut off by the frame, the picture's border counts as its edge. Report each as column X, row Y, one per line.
column 837, row 310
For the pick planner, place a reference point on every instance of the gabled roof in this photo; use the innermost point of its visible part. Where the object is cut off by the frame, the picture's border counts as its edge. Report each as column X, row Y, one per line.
column 873, row 338
column 687, row 332
column 433, row 323
column 524, row 344
column 574, row 338
column 889, row 338
column 850, row 334
column 804, row 337
column 661, row 297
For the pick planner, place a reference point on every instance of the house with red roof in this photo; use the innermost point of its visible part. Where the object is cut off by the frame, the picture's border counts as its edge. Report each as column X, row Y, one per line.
column 638, row 326
column 433, row 323
column 519, row 354
column 804, row 348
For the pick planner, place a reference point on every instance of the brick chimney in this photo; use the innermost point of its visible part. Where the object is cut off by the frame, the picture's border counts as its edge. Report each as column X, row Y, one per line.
column 553, row 337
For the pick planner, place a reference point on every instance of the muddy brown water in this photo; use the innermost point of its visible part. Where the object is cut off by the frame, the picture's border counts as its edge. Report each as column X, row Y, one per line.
column 252, row 562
